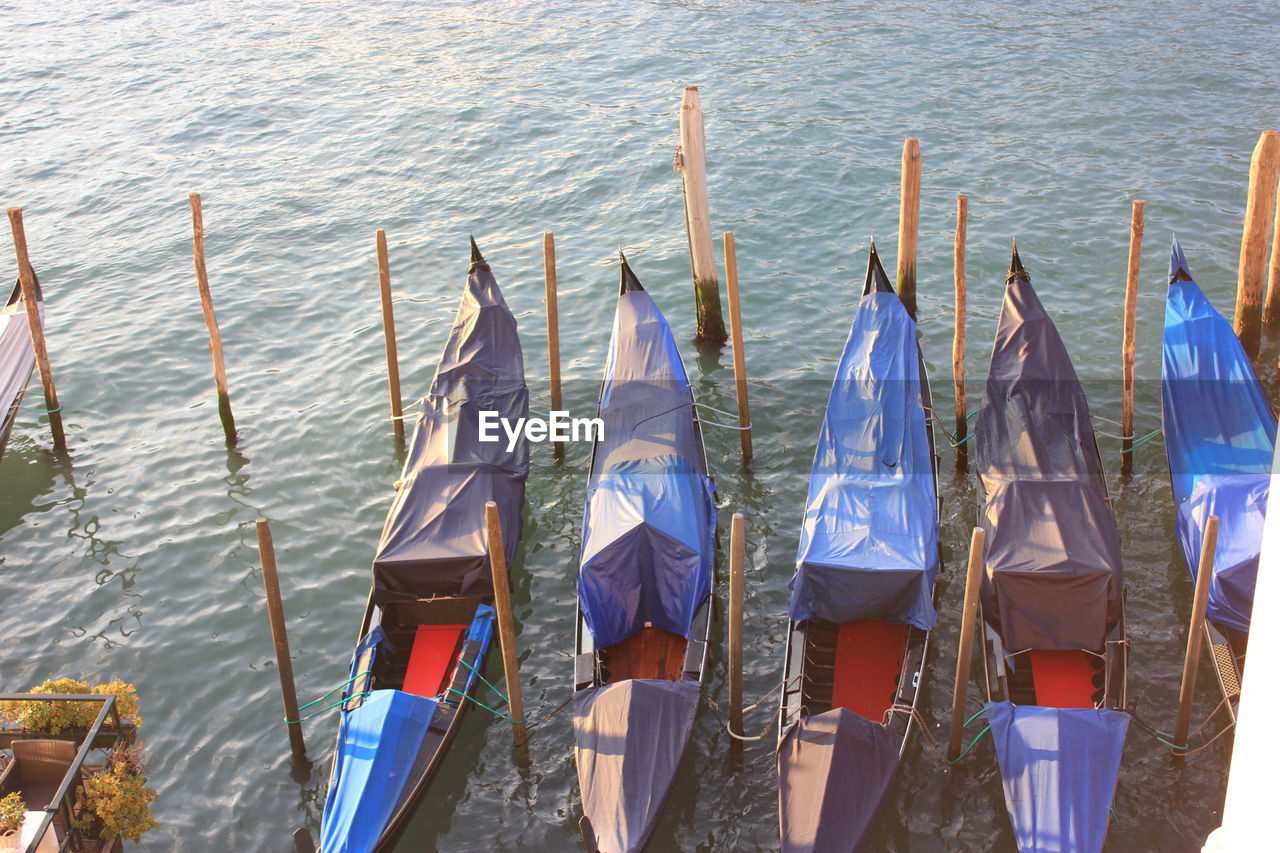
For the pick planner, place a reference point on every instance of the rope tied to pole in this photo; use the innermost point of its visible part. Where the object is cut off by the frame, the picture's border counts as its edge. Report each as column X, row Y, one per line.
column 973, row 742
column 329, row 693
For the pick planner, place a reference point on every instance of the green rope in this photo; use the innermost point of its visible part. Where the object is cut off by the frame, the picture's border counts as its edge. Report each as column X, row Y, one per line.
column 971, row 745
column 505, row 700
column 315, row 714
column 1141, row 441
column 42, row 411
column 976, row 714
column 474, row 701
column 955, row 443
column 327, row 695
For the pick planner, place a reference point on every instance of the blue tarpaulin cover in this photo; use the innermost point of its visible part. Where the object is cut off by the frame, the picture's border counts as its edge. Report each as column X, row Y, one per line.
column 648, row 531
column 380, row 748
column 1054, row 578
column 835, row 771
column 379, row 745
column 1219, row 436
column 434, row 541
column 1059, row 769
column 869, row 545
column 629, row 738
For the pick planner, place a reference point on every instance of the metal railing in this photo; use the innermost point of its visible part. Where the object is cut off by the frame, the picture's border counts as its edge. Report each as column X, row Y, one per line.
column 63, row 801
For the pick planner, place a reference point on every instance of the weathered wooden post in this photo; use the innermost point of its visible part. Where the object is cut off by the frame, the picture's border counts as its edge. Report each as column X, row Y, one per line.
column 1195, row 631
column 27, row 281
column 1253, row 243
column 909, row 224
column 957, row 341
column 691, row 164
column 389, row 337
column 553, row 327
column 1271, row 313
column 737, row 561
column 215, row 336
column 280, row 636
column 506, row 621
column 739, row 344
column 1130, row 327
column 968, row 624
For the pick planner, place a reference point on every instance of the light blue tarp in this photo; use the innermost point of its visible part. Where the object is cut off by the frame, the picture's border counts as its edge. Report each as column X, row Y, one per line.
column 869, row 545
column 1059, row 769
column 1219, row 436
column 648, row 532
column 378, row 746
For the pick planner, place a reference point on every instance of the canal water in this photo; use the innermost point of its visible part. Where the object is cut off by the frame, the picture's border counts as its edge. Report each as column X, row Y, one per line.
column 306, row 129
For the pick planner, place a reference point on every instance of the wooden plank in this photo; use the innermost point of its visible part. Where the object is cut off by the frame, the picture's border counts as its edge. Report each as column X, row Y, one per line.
column 211, row 320
column 691, row 163
column 739, row 344
column 279, row 636
column 1253, row 243
column 1199, row 606
column 958, row 339
column 908, row 224
column 506, row 621
column 964, row 657
column 389, row 337
column 1128, row 345
column 27, row 281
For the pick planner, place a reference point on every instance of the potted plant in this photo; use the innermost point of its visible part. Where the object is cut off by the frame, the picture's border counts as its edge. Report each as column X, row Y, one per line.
column 57, row 718
column 114, row 803
column 12, row 812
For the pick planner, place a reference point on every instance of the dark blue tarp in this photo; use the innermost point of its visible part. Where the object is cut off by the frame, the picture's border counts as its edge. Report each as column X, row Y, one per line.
column 1053, row 573
column 648, row 532
column 434, row 541
column 378, row 746
column 869, row 544
column 835, row 772
column 17, row 360
column 629, row 739
column 1059, row 768
column 1219, row 436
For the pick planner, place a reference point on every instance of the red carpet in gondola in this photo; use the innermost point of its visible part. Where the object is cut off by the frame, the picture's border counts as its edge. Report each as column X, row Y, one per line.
column 435, row 648
column 869, row 656
column 1063, row 679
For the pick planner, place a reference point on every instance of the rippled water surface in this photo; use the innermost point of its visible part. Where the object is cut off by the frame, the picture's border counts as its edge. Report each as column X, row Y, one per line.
column 305, row 129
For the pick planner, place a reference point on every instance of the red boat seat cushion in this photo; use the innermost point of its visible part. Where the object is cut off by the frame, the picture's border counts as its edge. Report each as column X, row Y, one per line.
column 1062, row 679
column 435, row 649
column 869, row 657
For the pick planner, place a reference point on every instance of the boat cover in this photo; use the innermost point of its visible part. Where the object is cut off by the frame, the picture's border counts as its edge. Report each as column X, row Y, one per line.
column 381, row 750
column 648, row 531
column 433, row 542
column 1059, row 768
column 835, row 772
column 1219, row 436
column 869, row 544
column 1053, row 574
column 629, row 739
column 17, row 359
column 378, row 749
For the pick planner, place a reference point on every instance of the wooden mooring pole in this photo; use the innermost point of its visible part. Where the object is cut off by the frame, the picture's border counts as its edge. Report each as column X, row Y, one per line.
column 737, row 562
column 692, row 166
column 968, row 624
column 506, row 621
column 389, row 337
column 957, row 341
column 553, row 327
column 1195, row 631
column 1130, row 328
column 739, row 344
column 1253, row 243
column 280, row 636
column 215, row 336
column 909, row 224
column 1271, row 313
column 27, row 281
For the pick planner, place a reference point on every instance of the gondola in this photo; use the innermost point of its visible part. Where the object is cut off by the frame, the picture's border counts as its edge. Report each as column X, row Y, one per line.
column 644, row 581
column 1219, row 438
column 1052, row 599
column 429, row 621
column 862, row 599
column 17, row 359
